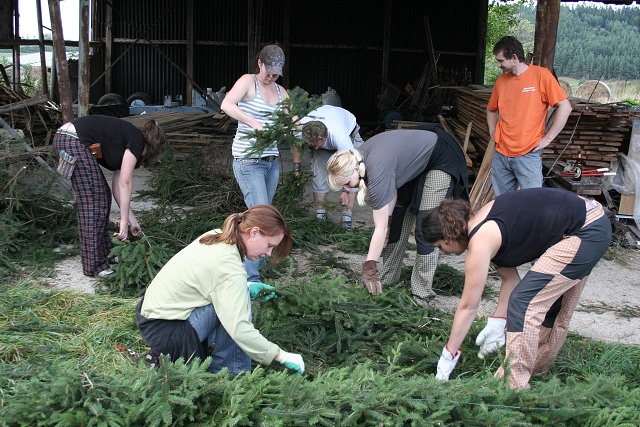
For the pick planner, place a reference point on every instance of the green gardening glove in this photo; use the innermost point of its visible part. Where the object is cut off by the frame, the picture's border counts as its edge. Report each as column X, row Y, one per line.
column 261, row 292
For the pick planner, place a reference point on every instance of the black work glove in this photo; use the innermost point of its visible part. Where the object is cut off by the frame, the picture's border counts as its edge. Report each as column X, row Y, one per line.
column 370, row 277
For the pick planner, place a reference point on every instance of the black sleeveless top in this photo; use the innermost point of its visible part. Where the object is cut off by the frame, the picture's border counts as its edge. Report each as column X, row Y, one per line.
column 531, row 221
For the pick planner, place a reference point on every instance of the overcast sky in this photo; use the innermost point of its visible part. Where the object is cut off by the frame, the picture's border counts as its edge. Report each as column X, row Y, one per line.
column 69, row 11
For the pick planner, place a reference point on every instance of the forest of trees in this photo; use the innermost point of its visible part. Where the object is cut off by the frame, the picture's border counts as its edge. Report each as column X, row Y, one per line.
column 593, row 42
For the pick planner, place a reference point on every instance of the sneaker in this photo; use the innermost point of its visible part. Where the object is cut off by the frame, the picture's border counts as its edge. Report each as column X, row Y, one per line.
column 321, row 216
column 106, row 272
column 347, row 225
column 114, row 260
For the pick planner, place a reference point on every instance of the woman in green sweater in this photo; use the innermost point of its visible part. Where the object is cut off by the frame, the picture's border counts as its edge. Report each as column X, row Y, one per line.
column 201, row 296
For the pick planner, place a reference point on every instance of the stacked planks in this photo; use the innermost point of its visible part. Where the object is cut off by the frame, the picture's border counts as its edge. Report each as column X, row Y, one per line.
column 597, row 131
column 186, row 131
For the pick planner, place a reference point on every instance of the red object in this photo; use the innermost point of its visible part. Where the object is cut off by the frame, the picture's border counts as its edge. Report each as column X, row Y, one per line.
column 128, row 350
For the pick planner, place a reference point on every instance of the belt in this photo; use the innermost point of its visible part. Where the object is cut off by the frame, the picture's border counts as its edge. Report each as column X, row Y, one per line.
column 265, row 158
column 268, row 158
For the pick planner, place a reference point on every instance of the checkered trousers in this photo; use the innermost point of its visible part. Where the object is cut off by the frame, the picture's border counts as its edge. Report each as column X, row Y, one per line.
column 434, row 191
column 542, row 304
column 93, row 201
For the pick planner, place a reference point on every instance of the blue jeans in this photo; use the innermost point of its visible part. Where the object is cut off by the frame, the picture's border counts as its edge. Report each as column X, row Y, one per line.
column 258, row 180
column 226, row 353
column 512, row 173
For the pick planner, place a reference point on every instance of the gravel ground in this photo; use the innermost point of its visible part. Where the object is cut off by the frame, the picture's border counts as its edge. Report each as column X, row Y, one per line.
column 607, row 311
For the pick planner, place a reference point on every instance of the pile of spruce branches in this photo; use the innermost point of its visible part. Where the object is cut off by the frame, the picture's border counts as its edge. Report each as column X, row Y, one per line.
column 70, row 359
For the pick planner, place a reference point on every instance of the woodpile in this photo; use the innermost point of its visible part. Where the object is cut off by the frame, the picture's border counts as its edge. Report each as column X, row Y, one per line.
column 37, row 117
column 186, row 131
column 598, row 131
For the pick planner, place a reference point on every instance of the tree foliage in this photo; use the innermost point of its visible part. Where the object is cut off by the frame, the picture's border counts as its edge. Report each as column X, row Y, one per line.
column 592, row 41
column 595, row 41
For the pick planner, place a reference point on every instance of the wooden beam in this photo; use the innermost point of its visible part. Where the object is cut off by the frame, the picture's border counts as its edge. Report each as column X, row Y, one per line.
column 286, row 42
column 467, row 136
column 108, row 47
column 43, row 61
column 190, row 53
column 386, row 42
column 83, row 62
column 546, row 32
column 25, row 103
column 66, row 101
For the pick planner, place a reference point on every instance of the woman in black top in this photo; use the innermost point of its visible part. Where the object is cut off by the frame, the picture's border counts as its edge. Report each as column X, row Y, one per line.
column 118, row 146
column 565, row 234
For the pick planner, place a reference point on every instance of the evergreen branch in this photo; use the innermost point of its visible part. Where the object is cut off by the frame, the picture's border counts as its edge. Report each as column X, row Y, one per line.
column 283, row 127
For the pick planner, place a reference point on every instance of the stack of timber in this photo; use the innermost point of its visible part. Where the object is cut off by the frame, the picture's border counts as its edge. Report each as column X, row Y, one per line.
column 36, row 116
column 471, row 105
column 597, row 131
column 186, row 131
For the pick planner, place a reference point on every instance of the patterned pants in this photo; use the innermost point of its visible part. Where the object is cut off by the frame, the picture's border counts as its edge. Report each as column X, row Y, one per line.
column 93, row 200
column 402, row 223
column 542, row 304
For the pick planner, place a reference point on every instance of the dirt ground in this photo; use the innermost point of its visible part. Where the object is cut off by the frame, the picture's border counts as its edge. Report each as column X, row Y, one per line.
column 608, row 309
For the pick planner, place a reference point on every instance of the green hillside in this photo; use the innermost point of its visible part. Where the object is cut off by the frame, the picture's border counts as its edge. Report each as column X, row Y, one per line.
column 593, row 42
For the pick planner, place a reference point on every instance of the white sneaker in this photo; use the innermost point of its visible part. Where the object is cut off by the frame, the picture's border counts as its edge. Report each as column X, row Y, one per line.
column 106, row 272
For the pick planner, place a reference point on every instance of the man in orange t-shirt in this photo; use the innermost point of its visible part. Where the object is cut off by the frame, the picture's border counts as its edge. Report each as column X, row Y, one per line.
column 516, row 115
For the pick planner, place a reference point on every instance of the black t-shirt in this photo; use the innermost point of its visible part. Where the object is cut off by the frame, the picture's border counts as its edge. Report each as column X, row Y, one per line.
column 114, row 135
column 533, row 220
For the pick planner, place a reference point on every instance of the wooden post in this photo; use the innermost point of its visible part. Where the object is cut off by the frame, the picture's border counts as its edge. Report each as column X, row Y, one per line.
column 108, row 46
column 188, row 97
column 61, row 59
column 286, row 45
column 43, row 59
column 83, row 63
column 547, row 18
column 252, row 34
column 483, row 13
column 386, row 43
column 16, row 51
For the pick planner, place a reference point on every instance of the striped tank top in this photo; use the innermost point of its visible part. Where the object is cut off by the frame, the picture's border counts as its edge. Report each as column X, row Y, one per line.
column 260, row 110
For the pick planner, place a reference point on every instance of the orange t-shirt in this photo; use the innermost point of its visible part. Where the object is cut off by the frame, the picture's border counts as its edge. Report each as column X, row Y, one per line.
column 522, row 102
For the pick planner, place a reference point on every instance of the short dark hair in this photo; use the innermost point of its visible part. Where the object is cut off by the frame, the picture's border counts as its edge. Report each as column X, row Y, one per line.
column 509, row 46
column 314, row 131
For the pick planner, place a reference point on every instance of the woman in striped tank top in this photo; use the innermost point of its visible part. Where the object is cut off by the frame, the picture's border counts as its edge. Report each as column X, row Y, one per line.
column 251, row 101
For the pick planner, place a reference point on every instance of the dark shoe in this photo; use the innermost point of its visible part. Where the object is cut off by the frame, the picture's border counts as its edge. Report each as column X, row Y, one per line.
column 347, row 225
column 425, row 302
column 152, row 359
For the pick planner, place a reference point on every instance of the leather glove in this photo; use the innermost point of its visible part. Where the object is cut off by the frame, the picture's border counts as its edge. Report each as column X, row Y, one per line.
column 291, row 361
column 256, row 287
column 492, row 336
column 446, row 364
column 370, row 277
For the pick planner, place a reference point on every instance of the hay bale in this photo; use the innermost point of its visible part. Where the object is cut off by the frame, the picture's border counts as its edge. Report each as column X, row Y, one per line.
column 566, row 87
column 601, row 92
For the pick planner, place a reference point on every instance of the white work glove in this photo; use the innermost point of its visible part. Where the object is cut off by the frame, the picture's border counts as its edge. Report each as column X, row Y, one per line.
column 291, row 361
column 492, row 336
column 446, row 364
